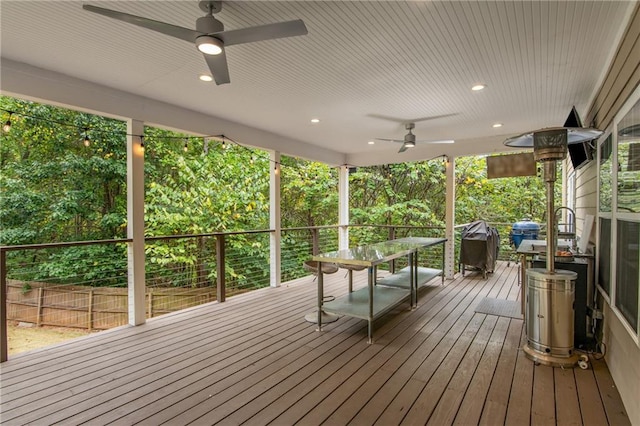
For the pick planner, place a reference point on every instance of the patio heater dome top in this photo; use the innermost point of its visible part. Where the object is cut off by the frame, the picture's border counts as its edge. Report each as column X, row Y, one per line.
column 574, row 135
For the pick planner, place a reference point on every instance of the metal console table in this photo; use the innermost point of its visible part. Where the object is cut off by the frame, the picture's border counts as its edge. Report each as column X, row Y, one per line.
column 377, row 298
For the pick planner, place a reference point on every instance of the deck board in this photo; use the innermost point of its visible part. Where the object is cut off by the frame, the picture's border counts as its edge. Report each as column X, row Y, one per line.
column 253, row 360
column 494, row 410
column 543, row 408
column 519, row 405
column 567, row 405
column 591, row 405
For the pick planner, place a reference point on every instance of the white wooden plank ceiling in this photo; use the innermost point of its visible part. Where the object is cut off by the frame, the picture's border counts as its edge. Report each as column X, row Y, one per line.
column 361, row 60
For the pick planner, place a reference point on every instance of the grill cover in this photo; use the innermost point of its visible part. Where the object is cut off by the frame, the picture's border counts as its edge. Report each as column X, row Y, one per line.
column 479, row 246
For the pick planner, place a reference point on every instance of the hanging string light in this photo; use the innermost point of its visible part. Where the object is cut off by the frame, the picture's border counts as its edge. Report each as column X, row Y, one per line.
column 7, row 125
column 226, row 142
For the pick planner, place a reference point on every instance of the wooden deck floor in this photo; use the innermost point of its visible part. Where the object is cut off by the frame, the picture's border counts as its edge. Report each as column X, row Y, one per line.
column 254, row 360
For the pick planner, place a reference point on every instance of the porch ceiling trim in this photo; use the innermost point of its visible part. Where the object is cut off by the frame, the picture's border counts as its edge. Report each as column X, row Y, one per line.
column 37, row 84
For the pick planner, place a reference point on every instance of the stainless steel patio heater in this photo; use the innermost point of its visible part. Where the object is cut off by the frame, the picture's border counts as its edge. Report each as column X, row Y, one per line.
column 550, row 293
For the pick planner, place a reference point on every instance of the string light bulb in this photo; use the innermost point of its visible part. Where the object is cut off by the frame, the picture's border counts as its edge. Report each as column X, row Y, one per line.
column 445, row 162
column 7, row 125
column 86, row 141
column 186, row 146
column 142, row 142
column 224, row 144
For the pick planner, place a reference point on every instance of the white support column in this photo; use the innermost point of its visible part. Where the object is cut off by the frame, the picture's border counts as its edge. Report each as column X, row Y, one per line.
column 343, row 207
column 450, row 218
column 135, row 222
column 274, row 220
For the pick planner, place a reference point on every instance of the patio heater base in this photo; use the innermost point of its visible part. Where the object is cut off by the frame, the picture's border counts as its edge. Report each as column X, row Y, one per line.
column 550, row 360
column 312, row 317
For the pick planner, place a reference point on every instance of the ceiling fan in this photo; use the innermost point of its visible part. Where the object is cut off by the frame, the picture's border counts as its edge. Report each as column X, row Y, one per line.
column 209, row 35
column 409, row 140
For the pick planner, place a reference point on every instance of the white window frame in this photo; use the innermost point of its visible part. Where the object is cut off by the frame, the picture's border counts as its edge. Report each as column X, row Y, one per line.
column 614, row 215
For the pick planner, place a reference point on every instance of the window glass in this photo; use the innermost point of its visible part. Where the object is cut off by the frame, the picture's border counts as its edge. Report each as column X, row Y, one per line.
column 627, row 262
column 629, row 161
column 604, row 255
column 606, row 162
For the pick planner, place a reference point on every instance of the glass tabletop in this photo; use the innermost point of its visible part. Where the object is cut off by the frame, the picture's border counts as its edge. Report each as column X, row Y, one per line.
column 374, row 254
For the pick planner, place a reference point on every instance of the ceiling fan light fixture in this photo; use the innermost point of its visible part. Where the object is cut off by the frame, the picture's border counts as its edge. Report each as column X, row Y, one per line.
column 409, row 144
column 209, row 45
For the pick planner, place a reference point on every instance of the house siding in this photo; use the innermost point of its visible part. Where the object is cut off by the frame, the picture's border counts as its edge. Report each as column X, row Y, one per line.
column 586, row 202
column 622, row 351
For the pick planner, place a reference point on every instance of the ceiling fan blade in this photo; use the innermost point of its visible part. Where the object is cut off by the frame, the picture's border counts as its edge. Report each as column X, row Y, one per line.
column 262, row 32
column 433, row 117
column 161, row 27
column 411, row 120
column 438, row 142
column 390, row 140
column 218, row 66
column 403, row 148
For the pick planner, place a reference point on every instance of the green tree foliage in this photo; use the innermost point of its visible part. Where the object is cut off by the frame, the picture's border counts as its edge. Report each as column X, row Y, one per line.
column 406, row 194
column 398, row 194
column 212, row 187
column 54, row 188
column 502, row 200
column 309, row 193
column 203, row 190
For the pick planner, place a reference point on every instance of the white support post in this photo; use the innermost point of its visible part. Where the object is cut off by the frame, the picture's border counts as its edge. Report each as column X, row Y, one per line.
column 135, row 222
column 343, row 207
column 274, row 220
column 450, row 217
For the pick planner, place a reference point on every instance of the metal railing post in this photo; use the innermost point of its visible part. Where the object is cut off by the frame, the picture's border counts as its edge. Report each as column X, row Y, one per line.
column 220, row 280
column 392, row 236
column 4, row 340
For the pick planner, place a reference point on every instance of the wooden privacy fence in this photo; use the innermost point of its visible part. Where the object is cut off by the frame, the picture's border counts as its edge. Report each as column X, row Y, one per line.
column 93, row 308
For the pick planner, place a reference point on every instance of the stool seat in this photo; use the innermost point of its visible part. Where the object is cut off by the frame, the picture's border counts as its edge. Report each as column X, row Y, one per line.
column 327, row 268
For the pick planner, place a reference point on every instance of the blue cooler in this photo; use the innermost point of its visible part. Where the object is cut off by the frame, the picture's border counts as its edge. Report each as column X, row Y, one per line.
column 524, row 230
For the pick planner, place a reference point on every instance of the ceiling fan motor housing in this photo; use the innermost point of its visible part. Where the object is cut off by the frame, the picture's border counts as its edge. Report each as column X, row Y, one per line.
column 208, row 25
column 410, row 139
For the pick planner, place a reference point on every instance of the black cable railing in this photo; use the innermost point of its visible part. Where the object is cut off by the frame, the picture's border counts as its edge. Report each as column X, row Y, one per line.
column 84, row 284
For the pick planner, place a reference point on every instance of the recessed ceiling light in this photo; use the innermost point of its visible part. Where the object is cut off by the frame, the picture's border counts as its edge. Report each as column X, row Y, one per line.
column 497, row 125
column 478, row 87
column 315, row 120
column 371, row 143
column 205, row 77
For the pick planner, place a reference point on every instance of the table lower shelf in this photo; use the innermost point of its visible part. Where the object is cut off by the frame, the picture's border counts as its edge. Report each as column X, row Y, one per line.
column 402, row 278
column 356, row 304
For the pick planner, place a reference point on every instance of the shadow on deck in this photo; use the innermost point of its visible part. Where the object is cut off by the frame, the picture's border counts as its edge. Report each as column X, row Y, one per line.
column 254, row 360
